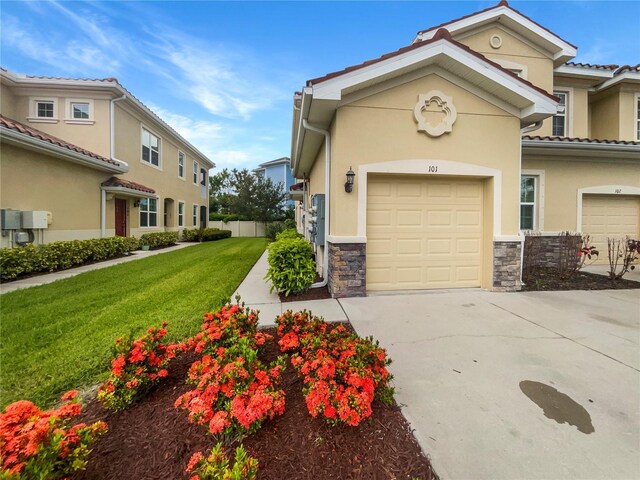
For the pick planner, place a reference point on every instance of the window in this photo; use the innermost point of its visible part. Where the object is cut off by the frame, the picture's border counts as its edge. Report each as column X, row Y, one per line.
column 181, row 214
column 638, row 117
column 44, row 109
column 527, row 202
column 149, row 212
column 195, row 215
column 195, row 172
column 560, row 118
column 150, row 148
column 79, row 111
column 181, row 164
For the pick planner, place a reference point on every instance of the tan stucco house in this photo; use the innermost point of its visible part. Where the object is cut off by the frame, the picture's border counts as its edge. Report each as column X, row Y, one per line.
column 92, row 161
column 479, row 130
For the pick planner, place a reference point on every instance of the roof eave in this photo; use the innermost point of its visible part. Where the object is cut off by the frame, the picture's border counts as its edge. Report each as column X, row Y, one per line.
column 586, row 150
column 129, row 192
column 42, row 146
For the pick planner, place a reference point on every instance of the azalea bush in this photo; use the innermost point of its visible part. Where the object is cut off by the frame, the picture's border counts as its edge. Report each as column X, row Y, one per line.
column 216, row 465
column 342, row 372
column 623, row 253
column 234, row 391
column 36, row 444
column 136, row 366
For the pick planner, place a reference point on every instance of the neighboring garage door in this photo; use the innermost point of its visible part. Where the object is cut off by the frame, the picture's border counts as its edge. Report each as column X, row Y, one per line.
column 610, row 216
column 423, row 232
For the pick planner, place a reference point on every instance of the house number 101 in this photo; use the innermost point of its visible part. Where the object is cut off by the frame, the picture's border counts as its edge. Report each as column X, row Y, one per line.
column 433, row 168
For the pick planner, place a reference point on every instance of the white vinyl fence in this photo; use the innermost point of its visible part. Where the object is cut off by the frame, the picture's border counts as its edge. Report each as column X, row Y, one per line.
column 239, row 228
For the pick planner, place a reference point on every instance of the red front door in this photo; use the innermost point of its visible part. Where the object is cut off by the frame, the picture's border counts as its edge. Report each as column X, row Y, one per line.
column 121, row 217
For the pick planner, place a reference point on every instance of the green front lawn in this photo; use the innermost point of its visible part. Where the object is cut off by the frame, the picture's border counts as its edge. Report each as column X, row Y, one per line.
column 59, row 336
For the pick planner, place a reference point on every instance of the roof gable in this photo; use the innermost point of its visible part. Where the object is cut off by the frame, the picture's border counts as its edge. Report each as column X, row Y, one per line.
column 558, row 49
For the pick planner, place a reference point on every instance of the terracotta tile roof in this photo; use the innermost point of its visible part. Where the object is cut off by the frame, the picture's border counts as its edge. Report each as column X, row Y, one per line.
column 11, row 124
column 43, row 77
column 627, row 68
column 119, row 182
column 502, row 3
column 578, row 140
column 441, row 34
column 589, row 65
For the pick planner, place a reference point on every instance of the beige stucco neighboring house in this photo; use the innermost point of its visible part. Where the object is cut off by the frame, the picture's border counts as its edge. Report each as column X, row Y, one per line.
column 479, row 130
column 92, row 161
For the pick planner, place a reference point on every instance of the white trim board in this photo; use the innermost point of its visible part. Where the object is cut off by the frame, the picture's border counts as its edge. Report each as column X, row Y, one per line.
column 426, row 167
column 602, row 190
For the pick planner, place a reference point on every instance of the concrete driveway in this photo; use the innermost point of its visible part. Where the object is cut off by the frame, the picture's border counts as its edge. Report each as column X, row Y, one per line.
column 515, row 386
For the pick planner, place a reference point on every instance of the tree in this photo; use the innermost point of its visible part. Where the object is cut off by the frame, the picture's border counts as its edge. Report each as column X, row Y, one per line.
column 251, row 196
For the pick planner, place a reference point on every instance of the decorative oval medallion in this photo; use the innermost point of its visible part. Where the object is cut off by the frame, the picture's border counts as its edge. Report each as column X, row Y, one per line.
column 435, row 103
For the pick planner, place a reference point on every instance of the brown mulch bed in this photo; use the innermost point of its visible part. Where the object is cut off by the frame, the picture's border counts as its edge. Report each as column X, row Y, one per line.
column 546, row 279
column 311, row 294
column 154, row 440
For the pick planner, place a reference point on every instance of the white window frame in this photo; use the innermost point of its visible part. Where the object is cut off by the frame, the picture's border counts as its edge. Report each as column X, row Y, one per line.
column 637, row 119
column 69, row 111
column 147, row 212
column 181, row 205
column 195, row 211
column 196, row 172
column 33, row 110
column 538, row 203
column 142, row 160
column 181, row 164
column 568, row 105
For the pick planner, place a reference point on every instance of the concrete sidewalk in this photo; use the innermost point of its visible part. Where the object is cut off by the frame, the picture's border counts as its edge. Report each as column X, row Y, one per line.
column 72, row 272
column 254, row 291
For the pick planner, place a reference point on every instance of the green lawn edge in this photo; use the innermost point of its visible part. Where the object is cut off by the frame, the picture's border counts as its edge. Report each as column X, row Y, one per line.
column 59, row 336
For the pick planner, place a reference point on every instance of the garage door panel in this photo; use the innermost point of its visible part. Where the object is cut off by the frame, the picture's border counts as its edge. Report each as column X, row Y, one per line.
column 610, row 216
column 430, row 240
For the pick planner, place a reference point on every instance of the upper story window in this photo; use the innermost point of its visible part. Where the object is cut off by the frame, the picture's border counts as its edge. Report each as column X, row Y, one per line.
column 180, row 164
column 638, row 117
column 79, row 111
column 527, row 202
column 560, row 123
column 195, row 172
column 45, row 109
column 150, row 148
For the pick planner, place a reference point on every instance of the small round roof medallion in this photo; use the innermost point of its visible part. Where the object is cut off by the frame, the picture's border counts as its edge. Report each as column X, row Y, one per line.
column 495, row 41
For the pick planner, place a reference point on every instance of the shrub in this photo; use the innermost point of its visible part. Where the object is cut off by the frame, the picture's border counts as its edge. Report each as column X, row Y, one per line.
column 227, row 217
column 622, row 254
column 42, row 444
column 291, row 265
column 159, row 239
column 204, row 234
column 343, row 373
column 288, row 233
column 136, row 366
column 216, row 465
column 50, row 257
column 272, row 229
column 234, row 391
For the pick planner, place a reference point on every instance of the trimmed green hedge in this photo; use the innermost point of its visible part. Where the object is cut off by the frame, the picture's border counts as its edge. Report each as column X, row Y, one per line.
column 291, row 265
column 159, row 239
column 204, row 234
column 15, row 262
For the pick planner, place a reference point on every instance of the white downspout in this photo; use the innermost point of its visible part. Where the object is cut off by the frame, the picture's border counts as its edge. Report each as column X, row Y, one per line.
column 527, row 129
column 327, row 186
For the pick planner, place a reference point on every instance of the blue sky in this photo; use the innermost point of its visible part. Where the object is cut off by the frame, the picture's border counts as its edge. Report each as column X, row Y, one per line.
column 223, row 73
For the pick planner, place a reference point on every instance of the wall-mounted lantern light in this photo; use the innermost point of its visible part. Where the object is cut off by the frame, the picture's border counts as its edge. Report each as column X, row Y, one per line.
column 136, row 204
column 349, row 185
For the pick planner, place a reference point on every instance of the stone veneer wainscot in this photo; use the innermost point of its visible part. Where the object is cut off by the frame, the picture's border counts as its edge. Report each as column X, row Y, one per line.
column 506, row 266
column 347, row 269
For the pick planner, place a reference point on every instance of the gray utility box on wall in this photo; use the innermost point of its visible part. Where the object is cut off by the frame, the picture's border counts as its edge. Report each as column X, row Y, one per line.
column 317, row 219
column 36, row 219
column 10, row 219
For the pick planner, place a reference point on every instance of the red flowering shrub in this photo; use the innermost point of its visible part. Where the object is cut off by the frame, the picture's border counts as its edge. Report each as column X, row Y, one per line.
column 42, row 444
column 234, row 392
column 216, row 465
column 136, row 366
column 343, row 373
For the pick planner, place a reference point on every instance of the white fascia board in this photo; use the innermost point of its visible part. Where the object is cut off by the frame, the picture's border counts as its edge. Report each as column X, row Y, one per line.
column 129, row 192
column 617, row 79
column 564, row 48
column 305, row 105
column 332, row 89
column 583, row 72
column 47, row 148
column 561, row 148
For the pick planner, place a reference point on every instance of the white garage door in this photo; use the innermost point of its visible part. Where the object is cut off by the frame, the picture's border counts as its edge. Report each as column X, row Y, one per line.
column 610, row 216
column 423, row 232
